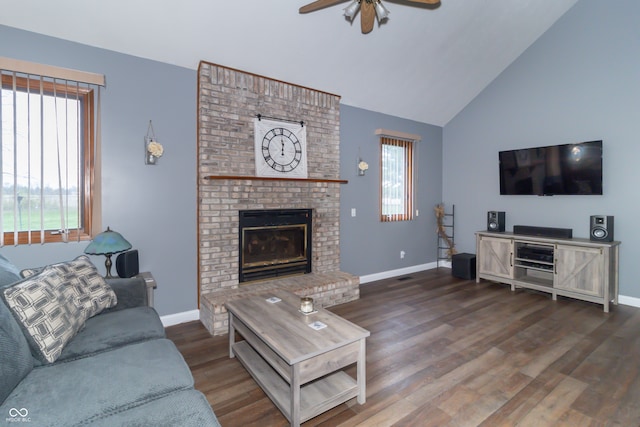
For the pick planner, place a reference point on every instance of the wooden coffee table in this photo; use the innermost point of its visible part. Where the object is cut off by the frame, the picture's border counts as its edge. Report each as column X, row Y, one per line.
column 300, row 368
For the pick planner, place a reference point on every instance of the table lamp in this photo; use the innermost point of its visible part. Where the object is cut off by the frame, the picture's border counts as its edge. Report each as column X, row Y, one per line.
column 107, row 243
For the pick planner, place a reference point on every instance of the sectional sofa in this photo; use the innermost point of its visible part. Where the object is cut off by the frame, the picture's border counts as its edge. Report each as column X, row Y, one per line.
column 78, row 350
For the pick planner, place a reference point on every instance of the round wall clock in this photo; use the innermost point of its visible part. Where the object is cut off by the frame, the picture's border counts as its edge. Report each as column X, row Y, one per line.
column 280, row 149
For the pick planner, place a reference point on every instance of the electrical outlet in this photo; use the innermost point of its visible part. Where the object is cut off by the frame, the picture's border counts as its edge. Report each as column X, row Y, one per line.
column 402, row 254
column 353, row 211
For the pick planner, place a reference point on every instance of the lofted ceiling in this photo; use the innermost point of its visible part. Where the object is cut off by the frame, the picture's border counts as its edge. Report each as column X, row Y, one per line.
column 423, row 63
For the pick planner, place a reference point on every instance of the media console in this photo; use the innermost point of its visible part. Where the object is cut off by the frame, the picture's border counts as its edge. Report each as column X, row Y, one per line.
column 576, row 268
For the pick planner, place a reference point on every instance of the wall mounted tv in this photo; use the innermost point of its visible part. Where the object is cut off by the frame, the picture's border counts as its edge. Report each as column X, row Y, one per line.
column 567, row 169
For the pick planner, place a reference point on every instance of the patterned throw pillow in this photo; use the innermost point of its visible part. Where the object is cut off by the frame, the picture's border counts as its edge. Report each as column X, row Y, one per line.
column 91, row 291
column 43, row 306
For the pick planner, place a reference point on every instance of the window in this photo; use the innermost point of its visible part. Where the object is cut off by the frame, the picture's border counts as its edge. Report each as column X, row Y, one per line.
column 396, row 176
column 47, row 136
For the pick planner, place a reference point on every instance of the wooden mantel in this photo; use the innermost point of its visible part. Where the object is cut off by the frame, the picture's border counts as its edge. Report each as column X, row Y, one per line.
column 266, row 178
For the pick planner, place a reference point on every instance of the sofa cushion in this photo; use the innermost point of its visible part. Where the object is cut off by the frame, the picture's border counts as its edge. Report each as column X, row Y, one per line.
column 45, row 308
column 112, row 330
column 9, row 273
column 15, row 357
column 69, row 394
column 91, row 290
column 131, row 292
column 185, row 408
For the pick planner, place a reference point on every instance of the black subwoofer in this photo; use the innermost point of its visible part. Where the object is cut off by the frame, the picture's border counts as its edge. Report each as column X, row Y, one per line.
column 601, row 228
column 495, row 221
column 127, row 264
column 463, row 266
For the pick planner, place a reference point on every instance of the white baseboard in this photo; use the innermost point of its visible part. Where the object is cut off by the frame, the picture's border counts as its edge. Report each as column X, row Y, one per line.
column 177, row 318
column 400, row 272
column 624, row 300
column 190, row 316
column 632, row 301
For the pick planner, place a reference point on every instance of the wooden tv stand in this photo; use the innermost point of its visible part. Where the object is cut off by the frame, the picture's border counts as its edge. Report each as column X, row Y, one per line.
column 575, row 268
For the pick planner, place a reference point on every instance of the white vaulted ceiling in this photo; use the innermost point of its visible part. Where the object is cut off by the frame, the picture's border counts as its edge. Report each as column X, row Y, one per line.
column 422, row 64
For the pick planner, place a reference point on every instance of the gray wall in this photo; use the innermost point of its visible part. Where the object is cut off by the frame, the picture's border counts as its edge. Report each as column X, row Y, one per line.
column 578, row 82
column 368, row 246
column 154, row 207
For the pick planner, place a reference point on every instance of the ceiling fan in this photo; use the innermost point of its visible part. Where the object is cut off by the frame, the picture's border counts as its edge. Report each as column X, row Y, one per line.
column 369, row 9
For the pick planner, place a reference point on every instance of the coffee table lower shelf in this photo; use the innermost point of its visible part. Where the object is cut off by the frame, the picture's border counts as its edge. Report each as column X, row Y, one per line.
column 316, row 396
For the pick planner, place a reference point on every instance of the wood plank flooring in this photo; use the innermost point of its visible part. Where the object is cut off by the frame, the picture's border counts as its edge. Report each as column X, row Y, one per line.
column 450, row 352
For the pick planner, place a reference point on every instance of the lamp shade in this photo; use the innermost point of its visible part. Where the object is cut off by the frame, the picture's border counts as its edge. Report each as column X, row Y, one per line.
column 351, row 10
column 107, row 242
column 381, row 11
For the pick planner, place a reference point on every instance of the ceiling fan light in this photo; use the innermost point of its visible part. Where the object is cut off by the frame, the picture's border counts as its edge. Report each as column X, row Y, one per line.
column 351, row 10
column 381, row 11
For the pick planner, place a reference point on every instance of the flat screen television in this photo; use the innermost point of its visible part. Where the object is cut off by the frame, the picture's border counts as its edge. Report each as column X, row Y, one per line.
column 568, row 169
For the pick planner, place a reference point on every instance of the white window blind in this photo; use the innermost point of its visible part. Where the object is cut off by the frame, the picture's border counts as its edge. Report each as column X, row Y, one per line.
column 48, row 140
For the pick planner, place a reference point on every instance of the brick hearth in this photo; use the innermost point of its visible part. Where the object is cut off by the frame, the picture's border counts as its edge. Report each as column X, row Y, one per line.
column 326, row 289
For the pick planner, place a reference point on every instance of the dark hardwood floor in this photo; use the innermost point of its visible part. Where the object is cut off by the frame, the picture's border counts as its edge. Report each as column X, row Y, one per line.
column 449, row 352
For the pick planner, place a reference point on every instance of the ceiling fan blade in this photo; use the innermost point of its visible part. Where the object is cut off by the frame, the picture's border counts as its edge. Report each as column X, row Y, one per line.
column 319, row 4
column 425, row 1
column 368, row 16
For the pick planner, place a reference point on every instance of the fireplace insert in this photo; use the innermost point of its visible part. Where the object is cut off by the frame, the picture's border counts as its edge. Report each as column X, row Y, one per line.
column 274, row 242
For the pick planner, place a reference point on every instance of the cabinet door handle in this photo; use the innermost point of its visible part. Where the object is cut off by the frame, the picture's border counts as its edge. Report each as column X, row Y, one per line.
column 511, row 259
column 555, row 266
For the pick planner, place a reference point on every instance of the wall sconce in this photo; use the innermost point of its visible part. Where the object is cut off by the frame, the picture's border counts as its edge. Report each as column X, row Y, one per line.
column 153, row 150
column 362, row 167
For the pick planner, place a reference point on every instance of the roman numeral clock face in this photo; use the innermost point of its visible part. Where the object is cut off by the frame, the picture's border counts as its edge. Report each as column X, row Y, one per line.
column 280, row 149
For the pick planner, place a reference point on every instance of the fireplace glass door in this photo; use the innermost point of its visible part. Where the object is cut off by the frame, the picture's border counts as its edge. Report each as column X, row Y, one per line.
column 272, row 250
column 268, row 246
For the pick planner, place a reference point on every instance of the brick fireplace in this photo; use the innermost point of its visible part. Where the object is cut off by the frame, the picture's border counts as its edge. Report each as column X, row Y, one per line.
column 228, row 101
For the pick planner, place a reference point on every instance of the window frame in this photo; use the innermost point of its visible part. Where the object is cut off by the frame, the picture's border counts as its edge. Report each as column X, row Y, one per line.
column 408, row 142
column 85, row 96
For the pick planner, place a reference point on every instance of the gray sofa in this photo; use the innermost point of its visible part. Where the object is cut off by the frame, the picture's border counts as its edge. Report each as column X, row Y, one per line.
column 118, row 369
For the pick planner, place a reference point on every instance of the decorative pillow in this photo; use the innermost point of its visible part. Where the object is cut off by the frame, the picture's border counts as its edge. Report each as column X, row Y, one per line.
column 44, row 307
column 90, row 289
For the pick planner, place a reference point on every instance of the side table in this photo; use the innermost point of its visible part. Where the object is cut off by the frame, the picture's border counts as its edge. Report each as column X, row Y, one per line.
column 151, row 285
